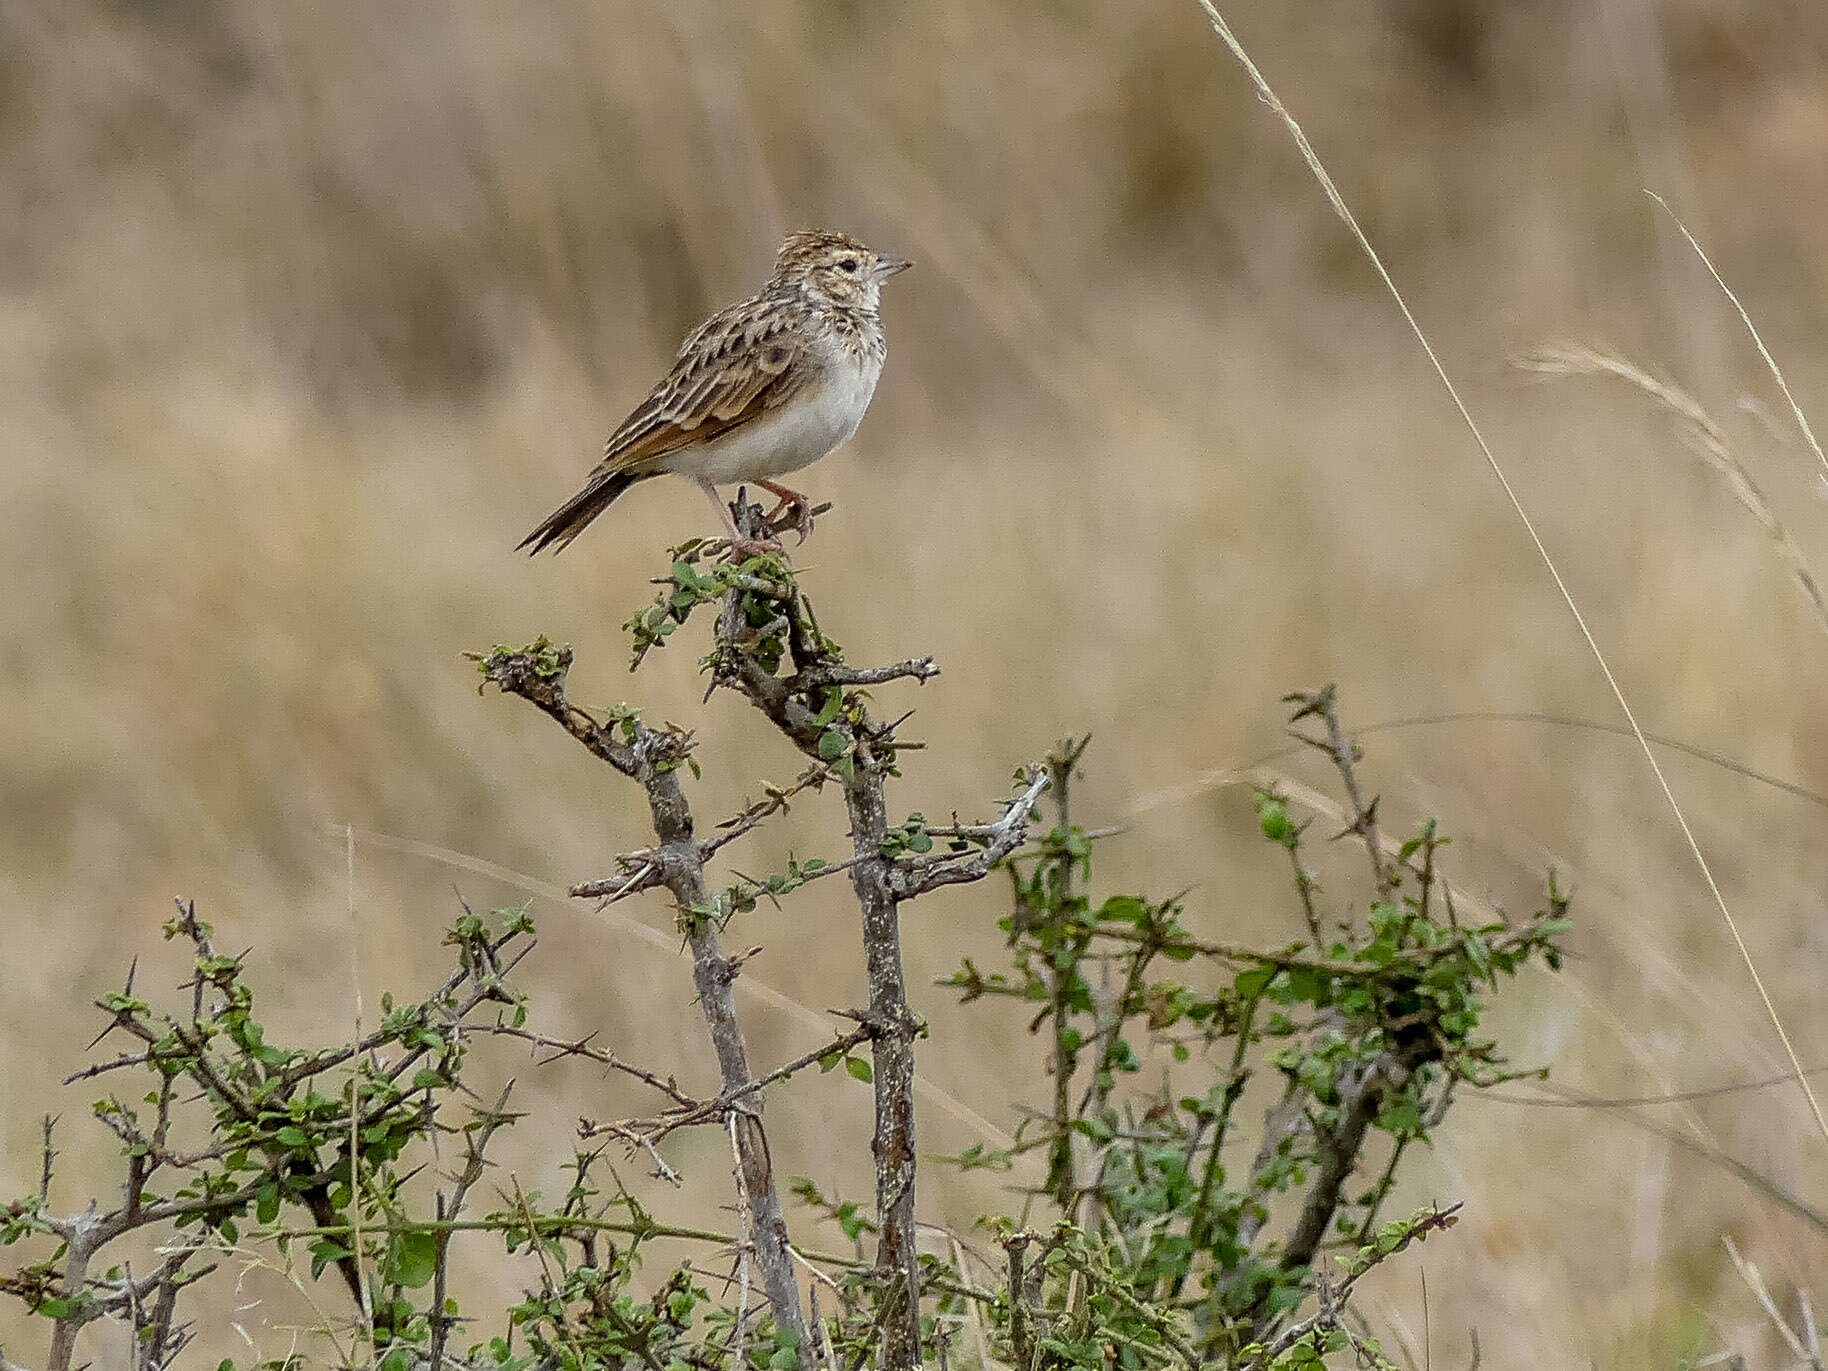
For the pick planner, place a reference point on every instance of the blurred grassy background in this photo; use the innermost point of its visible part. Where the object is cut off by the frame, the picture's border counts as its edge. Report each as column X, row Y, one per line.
column 308, row 312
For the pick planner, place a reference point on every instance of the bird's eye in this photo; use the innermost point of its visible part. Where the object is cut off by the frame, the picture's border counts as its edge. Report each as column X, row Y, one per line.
column 848, row 264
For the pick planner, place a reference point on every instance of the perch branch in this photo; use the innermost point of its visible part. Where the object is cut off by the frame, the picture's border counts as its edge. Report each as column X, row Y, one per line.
column 653, row 759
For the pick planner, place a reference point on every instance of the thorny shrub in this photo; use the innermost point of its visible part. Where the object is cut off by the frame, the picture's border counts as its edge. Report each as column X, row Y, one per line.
column 1165, row 1228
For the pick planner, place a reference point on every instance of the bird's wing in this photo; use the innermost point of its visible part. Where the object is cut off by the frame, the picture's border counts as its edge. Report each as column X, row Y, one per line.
column 738, row 364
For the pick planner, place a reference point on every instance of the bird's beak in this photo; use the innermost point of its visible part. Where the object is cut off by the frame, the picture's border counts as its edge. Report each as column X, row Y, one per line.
column 887, row 266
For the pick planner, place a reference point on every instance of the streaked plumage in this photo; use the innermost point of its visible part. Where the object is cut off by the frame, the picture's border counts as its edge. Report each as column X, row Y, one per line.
column 760, row 389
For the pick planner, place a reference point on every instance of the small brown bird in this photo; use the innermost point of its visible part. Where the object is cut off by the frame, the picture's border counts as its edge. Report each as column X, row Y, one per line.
column 760, row 389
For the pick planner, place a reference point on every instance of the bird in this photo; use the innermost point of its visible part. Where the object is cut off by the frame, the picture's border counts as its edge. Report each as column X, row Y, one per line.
column 762, row 388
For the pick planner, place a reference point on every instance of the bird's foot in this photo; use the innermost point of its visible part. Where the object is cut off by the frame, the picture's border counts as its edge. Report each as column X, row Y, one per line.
column 800, row 523
column 801, row 507
column 739, row 544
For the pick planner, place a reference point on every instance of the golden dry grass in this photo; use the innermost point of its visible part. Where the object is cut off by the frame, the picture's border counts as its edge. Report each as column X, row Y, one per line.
column 308, row 312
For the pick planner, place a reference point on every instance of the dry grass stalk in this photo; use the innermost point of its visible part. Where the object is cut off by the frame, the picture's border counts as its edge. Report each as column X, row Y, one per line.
column 1698, row 432
column 1802, row 1344
column 1334, row 198
column 1777, row 374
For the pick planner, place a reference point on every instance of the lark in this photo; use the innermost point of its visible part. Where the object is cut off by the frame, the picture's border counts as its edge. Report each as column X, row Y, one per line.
column 761, row 389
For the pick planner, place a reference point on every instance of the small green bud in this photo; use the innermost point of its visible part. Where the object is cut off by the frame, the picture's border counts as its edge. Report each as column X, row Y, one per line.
column 1272, row 817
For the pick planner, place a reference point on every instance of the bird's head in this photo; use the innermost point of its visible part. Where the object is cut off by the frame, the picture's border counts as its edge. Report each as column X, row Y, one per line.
column 836, row 268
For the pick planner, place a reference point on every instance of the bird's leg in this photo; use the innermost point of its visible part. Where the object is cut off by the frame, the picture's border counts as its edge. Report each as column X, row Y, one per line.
column 790, row 499
column 739, row 545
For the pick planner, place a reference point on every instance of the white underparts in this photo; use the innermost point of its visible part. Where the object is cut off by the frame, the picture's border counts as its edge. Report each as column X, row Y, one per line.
column 816, row 422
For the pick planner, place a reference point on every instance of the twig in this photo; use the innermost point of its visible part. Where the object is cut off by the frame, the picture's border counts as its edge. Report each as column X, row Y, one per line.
column 824, row 674
column 46, row 1165
column 693, row 1112
column 1062, row 1167
column 580, row 1047
column 822, row 1347
column 364, row 1300
column 1332, row 1299
column 1324, row 705
column 917, row 875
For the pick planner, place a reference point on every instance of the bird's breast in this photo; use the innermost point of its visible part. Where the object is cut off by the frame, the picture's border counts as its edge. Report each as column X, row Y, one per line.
column 850, row 386
column 819, row 419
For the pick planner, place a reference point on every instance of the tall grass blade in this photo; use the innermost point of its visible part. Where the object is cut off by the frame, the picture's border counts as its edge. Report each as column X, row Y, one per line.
column 1270, row 98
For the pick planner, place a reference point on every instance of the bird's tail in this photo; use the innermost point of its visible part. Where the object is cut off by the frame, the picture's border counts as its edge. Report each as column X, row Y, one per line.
column 570, row 518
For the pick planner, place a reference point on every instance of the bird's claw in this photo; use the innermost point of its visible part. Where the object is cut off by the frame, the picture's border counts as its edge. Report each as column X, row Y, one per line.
column 801, row 522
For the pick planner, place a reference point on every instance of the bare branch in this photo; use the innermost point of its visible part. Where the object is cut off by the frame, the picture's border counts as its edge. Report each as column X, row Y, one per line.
column 917, row 875
column 638, row 1141
column 776, row 801
column 794, row 705
column 836, row 674
column 643, row 875
column 581, row 1047
column 641, row 868
column 861, row 753
column 694, row 1112
column 48, row 1161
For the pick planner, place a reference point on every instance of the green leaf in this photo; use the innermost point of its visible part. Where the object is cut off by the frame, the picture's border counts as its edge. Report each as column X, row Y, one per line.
column 412, row 1259
column 1125, row 909
column 323, row 1252
column 832, row 745
column 291, row 1136
column 1479, row 956
column 859, row 1069
column 1250, row 984
column 851, row 1221
column 1404, row 1118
